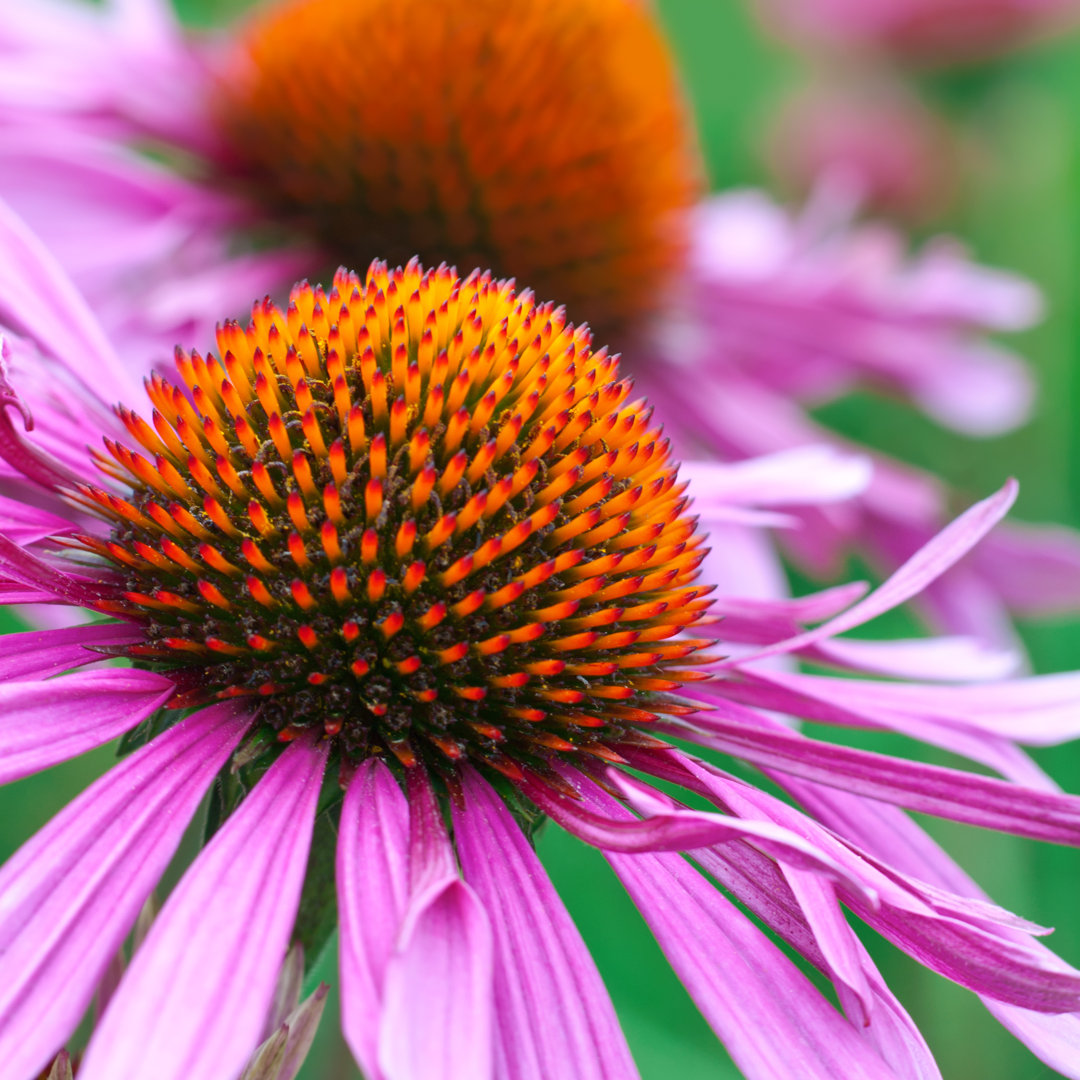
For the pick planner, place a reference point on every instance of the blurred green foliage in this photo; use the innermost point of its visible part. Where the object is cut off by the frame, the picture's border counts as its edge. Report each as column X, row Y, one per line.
column 1021, row 211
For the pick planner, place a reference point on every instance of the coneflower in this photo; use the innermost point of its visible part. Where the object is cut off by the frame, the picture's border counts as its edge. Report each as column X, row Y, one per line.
column 413, row 537
column 546, row 139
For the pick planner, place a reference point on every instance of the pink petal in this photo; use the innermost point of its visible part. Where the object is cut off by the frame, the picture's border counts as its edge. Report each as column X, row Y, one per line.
column 758, row 883
column 967, row 940
column 438, row 997
column 19, row 565
column 931, row 789
column 45, row 722
column 553, row 1017
column 803, row 476
column 829, row 701
column 927, row 564
column 38, row 299
column 372, row 882
column 670, row 827
column 46, row 652
column 25, row 524
column 1035, row 568
column 760, row 619
column 949, row 659
column 69, row 896
column 770, row 1017
column 195, row 997
column 1055, row 1039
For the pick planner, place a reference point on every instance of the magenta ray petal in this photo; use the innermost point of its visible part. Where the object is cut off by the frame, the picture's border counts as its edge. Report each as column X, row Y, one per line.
column 829, row 701
column 70, row 894
column 932, row 789
column 764, row 620
column 38, row 298
column 438, row 996
column 195, row 997
column 968, row 940
column 1039, row 710
column 1055, row 1039
column 802, row 476
column 45, row 722
column 949, row 659
column 27, row 524
column 18, row 565
column 770, row 1017
column 373, row 885
column 669, row 827
column 553, row 1016
column 760, row 884
column 924, row 567
column 46, row 652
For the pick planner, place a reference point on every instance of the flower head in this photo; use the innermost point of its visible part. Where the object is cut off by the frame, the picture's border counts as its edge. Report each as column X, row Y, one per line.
column 456, row 954
column 416, row 513
column 546, row 139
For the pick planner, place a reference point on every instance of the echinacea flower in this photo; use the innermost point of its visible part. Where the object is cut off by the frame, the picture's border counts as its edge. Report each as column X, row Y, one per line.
column 922, row 32
column 413, row 537
column 781, row 312
column 546, row 139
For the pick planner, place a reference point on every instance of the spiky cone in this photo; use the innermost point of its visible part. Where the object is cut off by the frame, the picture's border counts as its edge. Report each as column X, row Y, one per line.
column 546, row 139
column 417, row 513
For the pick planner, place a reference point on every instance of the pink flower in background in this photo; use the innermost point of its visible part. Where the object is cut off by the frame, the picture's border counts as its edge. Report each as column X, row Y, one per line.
column 778, row 311
column 902, row 158
column 922, row 31
column 782, row 312
column 269, row 549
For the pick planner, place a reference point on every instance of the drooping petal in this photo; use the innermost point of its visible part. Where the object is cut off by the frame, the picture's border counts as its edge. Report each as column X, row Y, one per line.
column 669, row 827
column 553, row 1017
column 43, row 722
column 19, row 565
column 38, row 299
column 196, row 994
column 372, row 882
column 46, row 652
column 927, row 564
column 932, row 789
column 69, row 896
column 968, row 940
column 770, row 1017
column 1055, row 1039
column 760, row 884
column 27, row 524
column 415, row 941
column 437, row 1017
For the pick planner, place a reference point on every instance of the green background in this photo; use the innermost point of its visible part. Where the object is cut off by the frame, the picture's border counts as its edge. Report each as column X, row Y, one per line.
column 1020, row 210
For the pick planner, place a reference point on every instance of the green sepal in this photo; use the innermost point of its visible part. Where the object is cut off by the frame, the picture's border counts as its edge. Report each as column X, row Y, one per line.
column 529, row 817
column 149, row 729
column 316, row 918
